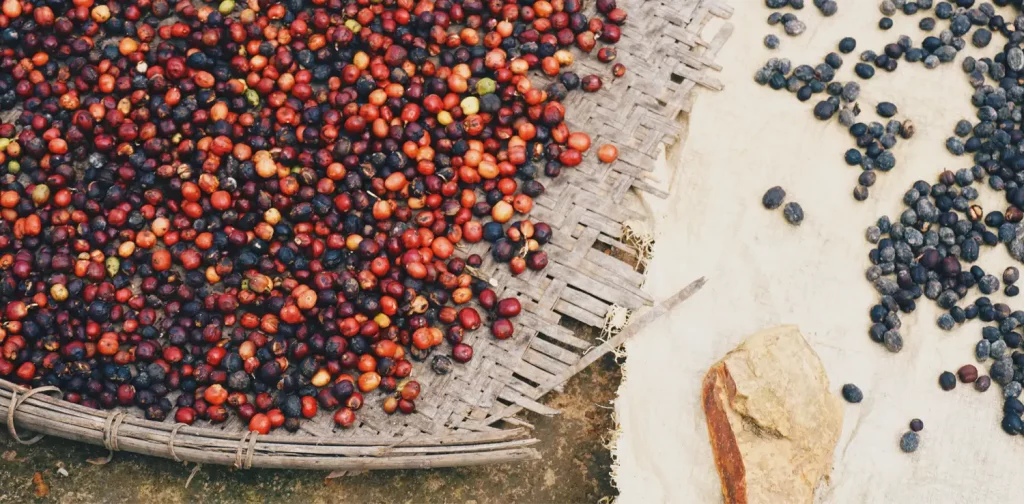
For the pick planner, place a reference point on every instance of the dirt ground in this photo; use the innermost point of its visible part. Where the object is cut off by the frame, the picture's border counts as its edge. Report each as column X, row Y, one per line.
column 575, row 467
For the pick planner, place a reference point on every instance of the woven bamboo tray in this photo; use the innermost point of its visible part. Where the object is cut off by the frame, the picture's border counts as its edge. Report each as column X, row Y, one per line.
column 459, row 416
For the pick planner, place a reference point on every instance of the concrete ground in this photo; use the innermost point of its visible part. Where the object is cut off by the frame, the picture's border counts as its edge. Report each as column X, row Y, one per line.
column 575, row 467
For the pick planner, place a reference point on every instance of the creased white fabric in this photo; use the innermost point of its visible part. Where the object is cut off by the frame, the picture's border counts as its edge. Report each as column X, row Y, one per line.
column 764, row 272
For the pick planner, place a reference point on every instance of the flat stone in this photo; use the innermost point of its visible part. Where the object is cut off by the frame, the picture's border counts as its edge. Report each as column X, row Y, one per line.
column 772, row 421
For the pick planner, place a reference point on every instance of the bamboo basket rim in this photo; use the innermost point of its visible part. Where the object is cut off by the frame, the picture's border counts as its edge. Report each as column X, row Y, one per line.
column 118, row 430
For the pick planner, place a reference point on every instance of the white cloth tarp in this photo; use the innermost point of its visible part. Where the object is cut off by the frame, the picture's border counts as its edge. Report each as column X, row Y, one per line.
column 763, row 272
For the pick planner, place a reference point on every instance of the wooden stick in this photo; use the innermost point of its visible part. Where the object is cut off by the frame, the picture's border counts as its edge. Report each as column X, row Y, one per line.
column 611, row 344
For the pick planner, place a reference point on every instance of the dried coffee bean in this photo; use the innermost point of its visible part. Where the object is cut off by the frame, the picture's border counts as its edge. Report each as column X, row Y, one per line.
column 909, row 442
column 773, row 198
column 947, row 381
column 852, row 393
column 967, row 373
column 793, row 213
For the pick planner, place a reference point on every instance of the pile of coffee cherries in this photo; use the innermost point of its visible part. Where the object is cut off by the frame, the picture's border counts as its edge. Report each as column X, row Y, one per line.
column 257, row 210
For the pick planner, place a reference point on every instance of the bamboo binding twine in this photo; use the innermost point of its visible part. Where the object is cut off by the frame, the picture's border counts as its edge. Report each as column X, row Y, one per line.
column 170, row 441
column 17, row 400
column 247, row 445
column 110, row 427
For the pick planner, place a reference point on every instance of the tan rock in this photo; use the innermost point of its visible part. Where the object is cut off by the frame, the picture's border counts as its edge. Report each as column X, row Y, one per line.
column 772, row 421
